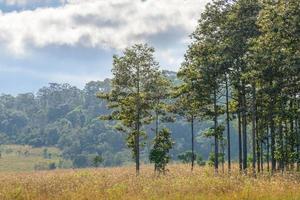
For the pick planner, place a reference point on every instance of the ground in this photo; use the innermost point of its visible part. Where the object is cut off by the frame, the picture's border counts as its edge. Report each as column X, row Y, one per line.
column 122, row 183
column 19, row 158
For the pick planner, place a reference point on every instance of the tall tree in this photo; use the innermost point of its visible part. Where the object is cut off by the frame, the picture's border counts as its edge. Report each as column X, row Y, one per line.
column 239, row 28
column 161, row 97
column 161, row 93
column 187, row 106
column 276, row 56
column 130, row 98
column 206, row 55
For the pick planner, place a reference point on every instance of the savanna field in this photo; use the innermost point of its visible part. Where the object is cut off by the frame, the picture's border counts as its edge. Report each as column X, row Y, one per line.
column 122, row 183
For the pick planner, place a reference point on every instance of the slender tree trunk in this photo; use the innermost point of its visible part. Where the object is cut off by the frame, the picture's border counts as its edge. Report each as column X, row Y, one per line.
column 261, row 156
column 258, row 154
column 268, row 150
column 292, row 132
column 156, row 131
column 258, row 139
column 244, row 128
column 239, row 112
column 286, row 149
column 215, row 132
column 272, row 130
column 156, row 123
column 298, row 145
column 281, row 162
column 240, row 142
column 254, row 129
column 223, row 155
column 192, row 130
column 297, row 136
column 228, row 126
column 137, row 136
column 137, row 156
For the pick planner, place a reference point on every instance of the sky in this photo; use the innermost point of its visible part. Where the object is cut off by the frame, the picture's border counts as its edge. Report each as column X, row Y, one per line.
column 73, row 41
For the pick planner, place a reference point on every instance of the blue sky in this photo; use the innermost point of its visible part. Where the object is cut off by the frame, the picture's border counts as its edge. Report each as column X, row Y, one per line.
column 72, row 41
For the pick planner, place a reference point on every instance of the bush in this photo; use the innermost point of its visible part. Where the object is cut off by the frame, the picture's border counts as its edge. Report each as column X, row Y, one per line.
column 200, row 160
column 45, row 166
column 211, row 158
column 97, row 160
column 186, row 157
column 51, row 166
column 159, row 154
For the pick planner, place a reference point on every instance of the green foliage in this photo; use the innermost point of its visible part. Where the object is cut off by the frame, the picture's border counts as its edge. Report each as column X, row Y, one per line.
column 80, row 132
column 186, row 157
column 159, row 154
column 211, row 158
column 51, row 166
column 133, row 86
column 200, row 160
column 97, row 160
column 248, row 48
column 211, row 132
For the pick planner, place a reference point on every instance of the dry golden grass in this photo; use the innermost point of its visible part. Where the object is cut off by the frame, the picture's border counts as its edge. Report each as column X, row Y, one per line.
column 13, row 158
column 121, row 183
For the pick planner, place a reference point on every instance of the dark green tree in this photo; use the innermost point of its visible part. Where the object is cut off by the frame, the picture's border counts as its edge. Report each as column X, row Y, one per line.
column 159, row 154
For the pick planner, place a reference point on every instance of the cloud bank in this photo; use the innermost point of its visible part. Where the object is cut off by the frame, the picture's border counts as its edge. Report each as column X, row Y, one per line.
column 113, row 24
column 27, row 2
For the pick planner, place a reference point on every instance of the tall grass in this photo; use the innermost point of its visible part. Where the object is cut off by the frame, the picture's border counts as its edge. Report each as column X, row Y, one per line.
column 122, row 183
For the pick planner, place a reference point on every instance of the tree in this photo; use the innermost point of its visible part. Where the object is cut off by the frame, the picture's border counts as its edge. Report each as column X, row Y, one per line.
column 161, row 93
column 276, row 62
column 187, row 157
column 131, row 94
column 159, row 154
column 187, row 104
column 240, row 27
column 204, row 65
column 97, row 160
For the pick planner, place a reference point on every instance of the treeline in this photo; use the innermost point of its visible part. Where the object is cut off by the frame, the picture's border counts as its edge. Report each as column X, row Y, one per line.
column 242, row 66
column 64, row 116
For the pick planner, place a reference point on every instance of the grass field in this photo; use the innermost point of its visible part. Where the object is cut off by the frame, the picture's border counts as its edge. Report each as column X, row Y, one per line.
column 121, row 183
column 18, row 158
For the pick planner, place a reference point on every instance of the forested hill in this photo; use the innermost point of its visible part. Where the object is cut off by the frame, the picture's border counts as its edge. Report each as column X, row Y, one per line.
column 66, row 117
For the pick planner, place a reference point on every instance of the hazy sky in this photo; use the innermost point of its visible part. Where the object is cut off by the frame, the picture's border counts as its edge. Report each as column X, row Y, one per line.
column 73, row 41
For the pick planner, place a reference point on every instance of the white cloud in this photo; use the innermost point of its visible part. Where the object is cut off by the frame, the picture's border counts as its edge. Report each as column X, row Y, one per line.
column 171, row 57
column 24, row 2
column 95, row 23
